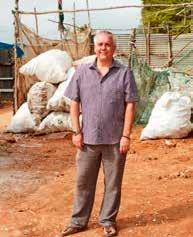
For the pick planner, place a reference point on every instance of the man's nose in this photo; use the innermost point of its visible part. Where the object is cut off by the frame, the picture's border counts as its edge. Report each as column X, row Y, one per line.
column 103, row 46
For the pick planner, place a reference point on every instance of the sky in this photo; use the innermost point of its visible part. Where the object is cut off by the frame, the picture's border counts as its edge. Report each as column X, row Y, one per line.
column 111, row 19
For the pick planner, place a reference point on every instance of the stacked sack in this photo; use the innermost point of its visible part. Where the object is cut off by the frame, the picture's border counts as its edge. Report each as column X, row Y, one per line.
column 46, row 109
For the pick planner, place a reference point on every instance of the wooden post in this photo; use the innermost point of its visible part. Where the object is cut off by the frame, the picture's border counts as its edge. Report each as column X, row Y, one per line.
column 75, row 33
column 131, row 46
column 16, row 39
column 185, row 18
column 89, row 21
column 36, row 20
column 170, row 53
column 191, row 23
column 60, row 30
column 148, row 44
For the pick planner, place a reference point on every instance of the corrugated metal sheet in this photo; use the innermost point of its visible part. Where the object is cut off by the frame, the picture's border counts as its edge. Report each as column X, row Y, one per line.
column 183, row 52
column 182, row 49
column 123, row 43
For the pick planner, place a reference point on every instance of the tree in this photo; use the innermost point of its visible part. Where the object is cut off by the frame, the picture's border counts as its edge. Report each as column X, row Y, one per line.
column 177, row 18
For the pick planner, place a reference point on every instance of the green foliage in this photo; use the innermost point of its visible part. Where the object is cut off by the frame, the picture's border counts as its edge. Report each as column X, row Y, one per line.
column 177, row 18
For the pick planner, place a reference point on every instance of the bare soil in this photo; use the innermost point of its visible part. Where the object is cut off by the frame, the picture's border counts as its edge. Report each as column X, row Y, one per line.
column 37, row 179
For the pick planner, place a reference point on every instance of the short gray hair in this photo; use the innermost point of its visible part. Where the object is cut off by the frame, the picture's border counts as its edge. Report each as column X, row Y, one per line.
column 106, row 32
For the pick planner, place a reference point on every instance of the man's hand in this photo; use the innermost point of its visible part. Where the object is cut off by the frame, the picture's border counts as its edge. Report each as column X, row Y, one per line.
column 77, row 140
column 124, row 145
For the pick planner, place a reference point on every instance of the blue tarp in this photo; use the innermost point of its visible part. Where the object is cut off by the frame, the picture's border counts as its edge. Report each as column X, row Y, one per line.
column 4, row 46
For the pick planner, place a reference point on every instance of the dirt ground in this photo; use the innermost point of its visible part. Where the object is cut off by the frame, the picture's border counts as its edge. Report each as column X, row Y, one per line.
column 37, row 178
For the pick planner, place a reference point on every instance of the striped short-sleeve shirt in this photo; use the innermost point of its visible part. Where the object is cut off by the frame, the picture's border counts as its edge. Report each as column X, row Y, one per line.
column 103, row 101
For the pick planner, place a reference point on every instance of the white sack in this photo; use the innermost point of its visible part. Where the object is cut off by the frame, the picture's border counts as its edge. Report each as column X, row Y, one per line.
column 37, row 99
column 50, row 66
column 84, row 60
column 22, row 121
column 170, row 117
column 56, row 122
column 58, row 102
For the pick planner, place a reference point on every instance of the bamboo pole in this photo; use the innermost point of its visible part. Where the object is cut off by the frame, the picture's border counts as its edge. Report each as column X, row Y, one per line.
column 191, row 22
column 170, row 53
column 109, row 8
column 89, row 21
column 64, row 23
column 61, row 30
column 75, row 33
column 131, row 46
column 148, row 44
column 36, row 21
column 16, row 39
column 185, row 17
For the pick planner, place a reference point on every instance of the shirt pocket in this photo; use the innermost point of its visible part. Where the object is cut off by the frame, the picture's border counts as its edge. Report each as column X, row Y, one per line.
column 114, row 95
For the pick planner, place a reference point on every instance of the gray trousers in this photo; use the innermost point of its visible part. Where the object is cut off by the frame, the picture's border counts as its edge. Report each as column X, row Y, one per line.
column 88, row 163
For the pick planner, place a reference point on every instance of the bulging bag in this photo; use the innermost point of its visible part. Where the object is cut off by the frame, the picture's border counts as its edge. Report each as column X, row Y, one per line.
column 50, row 66
column 59, row 102
column 37, row 99
column 170, row 117
column 22, row 121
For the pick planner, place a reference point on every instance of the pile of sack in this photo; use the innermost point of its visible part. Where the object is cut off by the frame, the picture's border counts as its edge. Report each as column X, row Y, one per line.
column 47, row 109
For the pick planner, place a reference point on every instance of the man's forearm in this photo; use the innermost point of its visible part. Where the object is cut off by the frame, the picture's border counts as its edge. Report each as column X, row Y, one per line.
column 75, row 113
column 129, row 118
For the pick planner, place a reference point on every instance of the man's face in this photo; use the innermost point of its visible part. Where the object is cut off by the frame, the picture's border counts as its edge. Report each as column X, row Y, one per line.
column 104, row 47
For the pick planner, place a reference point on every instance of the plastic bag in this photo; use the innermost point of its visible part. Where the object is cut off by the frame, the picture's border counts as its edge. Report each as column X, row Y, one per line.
column 22, row 121
column 58, row 102
column 50, row 66
column 170, row 117
column 55, row 122
column 37, row 99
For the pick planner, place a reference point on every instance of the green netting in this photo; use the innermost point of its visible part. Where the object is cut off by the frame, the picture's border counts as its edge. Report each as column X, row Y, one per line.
column 180, row 81
column 151, row 85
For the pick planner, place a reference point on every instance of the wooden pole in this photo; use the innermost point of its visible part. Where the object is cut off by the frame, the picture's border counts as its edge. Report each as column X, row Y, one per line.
column 111, row 8
column 36, row 20
column 131, row 46
column 16, row 39
column 185, row 18
column 75, row 33
column 60, row 29
column 191, row 22
column 170, row 53
column 148, row 44
column 89, row 21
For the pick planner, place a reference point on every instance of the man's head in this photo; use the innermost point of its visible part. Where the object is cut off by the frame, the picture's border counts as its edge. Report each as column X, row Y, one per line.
column 105, row 45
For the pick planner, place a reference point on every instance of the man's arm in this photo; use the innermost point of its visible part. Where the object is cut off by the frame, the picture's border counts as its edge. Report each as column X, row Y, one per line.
column 128, row 122
column 77, row 137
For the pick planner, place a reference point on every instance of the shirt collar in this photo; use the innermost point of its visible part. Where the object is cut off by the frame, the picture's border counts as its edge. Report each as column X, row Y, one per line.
column 114, row 64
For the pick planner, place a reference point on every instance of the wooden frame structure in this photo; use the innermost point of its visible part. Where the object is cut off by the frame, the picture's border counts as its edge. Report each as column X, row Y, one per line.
column 19, row 88
column 18, row 97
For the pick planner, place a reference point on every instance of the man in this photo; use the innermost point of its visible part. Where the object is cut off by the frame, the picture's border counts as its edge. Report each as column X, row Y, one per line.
column 106, row 92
